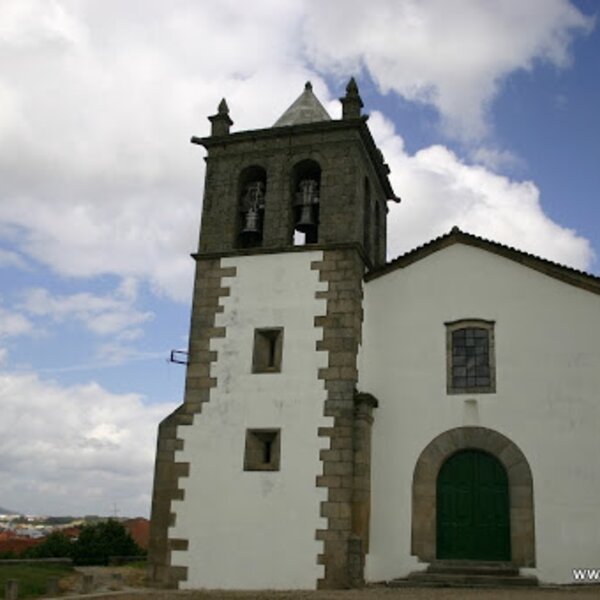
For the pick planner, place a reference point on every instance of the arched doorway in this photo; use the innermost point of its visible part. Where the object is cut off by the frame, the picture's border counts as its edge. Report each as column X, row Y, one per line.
column 473, row 513
column 520, row 486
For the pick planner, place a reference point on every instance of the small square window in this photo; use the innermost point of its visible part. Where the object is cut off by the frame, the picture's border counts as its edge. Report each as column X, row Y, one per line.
column 262, row 450
column 268, row 348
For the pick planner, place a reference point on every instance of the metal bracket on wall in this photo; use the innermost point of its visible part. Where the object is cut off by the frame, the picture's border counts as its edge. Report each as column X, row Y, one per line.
column 179, row 357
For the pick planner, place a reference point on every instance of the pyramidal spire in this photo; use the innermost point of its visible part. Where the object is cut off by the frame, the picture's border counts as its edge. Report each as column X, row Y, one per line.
column 305, row 109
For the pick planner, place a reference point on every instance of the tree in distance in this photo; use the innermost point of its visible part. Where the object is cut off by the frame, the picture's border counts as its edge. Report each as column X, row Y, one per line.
column 94, row 546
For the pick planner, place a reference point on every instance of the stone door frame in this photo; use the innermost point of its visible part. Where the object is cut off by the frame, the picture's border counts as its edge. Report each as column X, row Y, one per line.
column 520, row 488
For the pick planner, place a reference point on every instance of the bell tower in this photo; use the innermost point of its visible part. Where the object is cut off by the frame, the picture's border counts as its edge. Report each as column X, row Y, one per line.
column 306, row 180
column 262, row 475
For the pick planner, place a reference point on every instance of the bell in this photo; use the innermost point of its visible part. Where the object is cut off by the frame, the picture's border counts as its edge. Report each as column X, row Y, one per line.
column 306, row 222
column 251, row 224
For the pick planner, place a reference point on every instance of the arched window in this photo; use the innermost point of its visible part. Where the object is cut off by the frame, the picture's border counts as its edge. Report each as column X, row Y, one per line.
column 252, row 192
column 306, row 186
column 470, row 354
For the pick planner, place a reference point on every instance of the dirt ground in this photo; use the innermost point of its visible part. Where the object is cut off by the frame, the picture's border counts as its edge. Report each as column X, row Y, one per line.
column 124, row 583
column 382, row 593
column 105, row 579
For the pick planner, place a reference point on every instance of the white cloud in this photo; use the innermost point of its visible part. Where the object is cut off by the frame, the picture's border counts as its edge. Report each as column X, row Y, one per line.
column 13, row 324
column 452, row 54
column 75, row 450
column 8, row 258
column 97, row 171
column 438, row 191
column 102, row 315
column 121, row 351
column 98, row 101
column 24, row 25
column 496, row 159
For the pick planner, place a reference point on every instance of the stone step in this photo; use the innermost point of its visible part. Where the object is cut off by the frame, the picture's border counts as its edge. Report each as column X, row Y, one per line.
column 478, row 567
column 464, row 579
column 445, row 580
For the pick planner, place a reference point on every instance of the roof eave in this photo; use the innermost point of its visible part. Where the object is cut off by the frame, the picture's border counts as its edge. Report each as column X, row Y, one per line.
column 555, row 270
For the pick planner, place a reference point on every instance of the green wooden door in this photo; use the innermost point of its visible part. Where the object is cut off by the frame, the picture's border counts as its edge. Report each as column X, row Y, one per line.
column 473, row 517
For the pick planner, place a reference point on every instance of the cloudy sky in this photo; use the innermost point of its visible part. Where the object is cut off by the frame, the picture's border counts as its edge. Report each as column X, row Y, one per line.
column 487, row 113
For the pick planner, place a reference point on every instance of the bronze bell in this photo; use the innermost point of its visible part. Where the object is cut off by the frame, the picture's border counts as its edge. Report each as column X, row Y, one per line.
column 251, row 225
column 307, row 200
column 306, row 221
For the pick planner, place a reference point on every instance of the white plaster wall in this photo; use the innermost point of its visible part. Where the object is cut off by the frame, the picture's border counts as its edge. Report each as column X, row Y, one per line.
column 257, row 529
column 547, row 402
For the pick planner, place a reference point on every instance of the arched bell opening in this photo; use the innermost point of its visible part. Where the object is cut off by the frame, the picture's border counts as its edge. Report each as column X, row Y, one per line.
column 252, row 192
column 306, row 186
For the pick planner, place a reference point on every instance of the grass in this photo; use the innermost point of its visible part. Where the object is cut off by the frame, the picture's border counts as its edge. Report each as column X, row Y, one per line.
column 32, row 578
column 139, row 564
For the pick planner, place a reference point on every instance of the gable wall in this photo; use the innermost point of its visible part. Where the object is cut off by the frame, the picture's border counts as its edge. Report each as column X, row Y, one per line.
column 547, row 341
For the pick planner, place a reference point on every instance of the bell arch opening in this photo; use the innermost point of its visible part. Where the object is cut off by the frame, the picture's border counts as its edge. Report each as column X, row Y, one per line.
column 306, row 187
column 252, row 189
column 424, row 538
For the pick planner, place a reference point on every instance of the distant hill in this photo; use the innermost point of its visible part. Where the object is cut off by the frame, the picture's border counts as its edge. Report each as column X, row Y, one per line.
column 8, row 511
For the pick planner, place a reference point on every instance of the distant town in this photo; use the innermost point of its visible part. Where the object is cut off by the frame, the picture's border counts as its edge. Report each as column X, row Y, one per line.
column 19, row 532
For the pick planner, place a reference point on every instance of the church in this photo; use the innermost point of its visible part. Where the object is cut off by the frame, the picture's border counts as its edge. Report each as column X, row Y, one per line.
column 349, row 420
